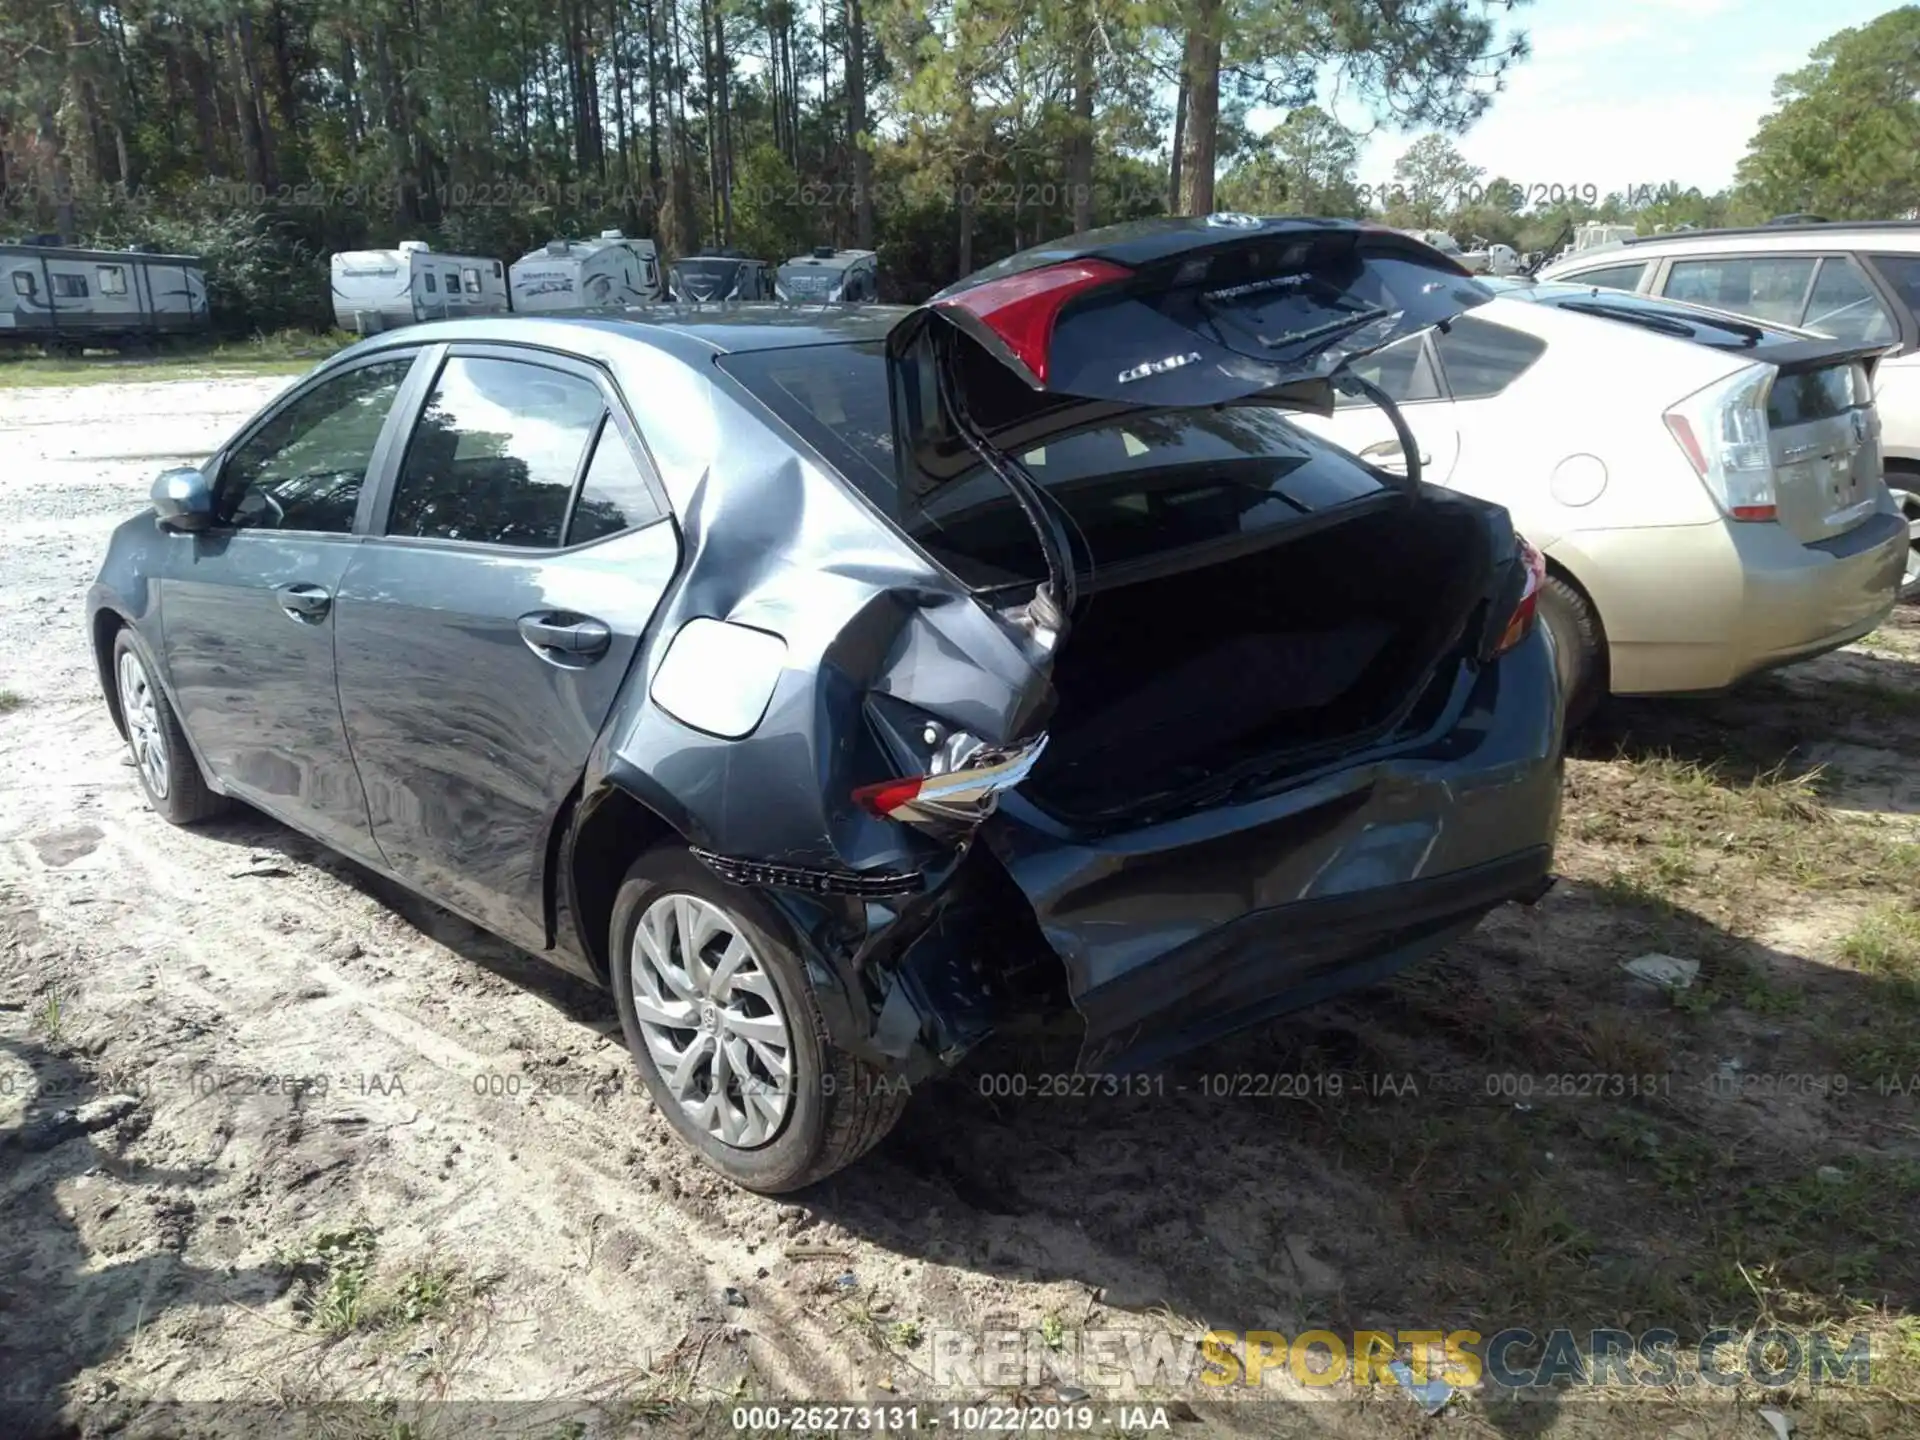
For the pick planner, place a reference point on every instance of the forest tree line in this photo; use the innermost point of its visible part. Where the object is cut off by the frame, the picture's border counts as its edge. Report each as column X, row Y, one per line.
column 266, row 134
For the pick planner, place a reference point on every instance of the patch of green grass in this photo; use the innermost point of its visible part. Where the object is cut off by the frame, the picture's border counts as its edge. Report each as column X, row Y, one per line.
column 285, row 352
column 1886, row 943
column 334, row 1271
column 11, row 700
column 1053, row 1332
column 340, row 1290
column 51, row 1017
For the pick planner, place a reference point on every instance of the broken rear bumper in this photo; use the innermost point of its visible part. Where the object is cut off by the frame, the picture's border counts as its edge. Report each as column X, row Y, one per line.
column 1177, row 933
column 1273, row 961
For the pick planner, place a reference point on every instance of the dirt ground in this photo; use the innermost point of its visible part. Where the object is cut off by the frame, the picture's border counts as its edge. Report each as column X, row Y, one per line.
column 282, row 1147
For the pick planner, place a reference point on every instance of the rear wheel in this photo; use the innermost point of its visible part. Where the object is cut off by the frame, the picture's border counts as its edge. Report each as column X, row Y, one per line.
column 1579, row 647
column 721, row 1019
column 168, row 771
column 1909, row 502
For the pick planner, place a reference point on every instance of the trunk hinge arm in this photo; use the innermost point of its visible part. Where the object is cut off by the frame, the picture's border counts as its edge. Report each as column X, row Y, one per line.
column 1060, row 594
column 1352, row 384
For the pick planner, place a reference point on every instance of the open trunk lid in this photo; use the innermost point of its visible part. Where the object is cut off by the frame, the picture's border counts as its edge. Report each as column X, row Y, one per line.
column 1180, row 312
column 1153, row 315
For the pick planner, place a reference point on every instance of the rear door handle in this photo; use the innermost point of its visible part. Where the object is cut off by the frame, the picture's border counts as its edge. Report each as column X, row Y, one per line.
column 304, row 602
column 556, row 637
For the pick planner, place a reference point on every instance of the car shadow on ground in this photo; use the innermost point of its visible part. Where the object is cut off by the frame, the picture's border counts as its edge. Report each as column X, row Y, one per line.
column 247, row 829
column 74, row 1199
column 1852, row 726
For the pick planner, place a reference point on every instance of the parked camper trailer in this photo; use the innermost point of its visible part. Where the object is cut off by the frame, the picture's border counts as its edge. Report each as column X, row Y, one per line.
column 67, row 298
column 375, row 290
column 586, row 274
column 830, row 276
column 721, row 275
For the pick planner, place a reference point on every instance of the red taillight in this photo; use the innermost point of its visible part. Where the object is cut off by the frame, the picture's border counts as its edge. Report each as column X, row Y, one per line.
column 1521, row 620
column 889, row 795
column 1689, row 443
column 1021, row 309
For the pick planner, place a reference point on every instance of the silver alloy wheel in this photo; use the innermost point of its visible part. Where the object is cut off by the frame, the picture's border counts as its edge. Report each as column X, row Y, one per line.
column 148, row 741
column 1909, row 504
column 712, row 1020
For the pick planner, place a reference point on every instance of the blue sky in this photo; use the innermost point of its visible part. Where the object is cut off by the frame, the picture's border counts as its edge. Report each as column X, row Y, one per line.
column 1632, row 92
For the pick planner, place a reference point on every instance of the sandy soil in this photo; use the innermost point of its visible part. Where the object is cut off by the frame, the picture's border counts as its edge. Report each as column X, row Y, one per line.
column 239, row 1077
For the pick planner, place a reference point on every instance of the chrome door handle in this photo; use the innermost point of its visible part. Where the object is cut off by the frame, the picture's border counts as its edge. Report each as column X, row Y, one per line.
column 304, row 602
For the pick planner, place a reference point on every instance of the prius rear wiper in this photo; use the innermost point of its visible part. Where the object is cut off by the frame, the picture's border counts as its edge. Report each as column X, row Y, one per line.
column 1666, row 324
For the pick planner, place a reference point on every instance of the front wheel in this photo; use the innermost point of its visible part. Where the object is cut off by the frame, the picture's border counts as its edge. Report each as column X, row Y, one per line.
column 721, row 1020
column 168, row 771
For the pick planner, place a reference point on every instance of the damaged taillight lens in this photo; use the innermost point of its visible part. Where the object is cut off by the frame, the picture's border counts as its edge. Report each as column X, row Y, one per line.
column 964, row 784
column 1521, row 621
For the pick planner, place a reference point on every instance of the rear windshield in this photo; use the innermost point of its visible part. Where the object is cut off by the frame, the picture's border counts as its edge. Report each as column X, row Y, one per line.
column 1137, row 485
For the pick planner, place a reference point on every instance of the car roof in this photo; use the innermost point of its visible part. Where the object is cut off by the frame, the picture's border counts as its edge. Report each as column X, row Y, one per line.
column 730, row 327
column 1880, row 235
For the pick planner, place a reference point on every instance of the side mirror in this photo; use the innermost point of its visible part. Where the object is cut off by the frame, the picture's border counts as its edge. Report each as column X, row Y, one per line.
column 182, row 499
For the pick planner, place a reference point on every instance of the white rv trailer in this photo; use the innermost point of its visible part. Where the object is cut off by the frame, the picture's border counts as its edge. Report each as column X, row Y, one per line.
column 586, row 274
column 375, row 290
column 68, row 298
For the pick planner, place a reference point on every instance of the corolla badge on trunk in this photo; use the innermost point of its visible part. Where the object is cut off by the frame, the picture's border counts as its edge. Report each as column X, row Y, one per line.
column 1234, row 220
column 1156, row 367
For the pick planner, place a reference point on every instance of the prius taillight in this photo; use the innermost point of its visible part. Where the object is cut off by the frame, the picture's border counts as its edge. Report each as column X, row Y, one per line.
column 1521, row 621
column 1021, row 309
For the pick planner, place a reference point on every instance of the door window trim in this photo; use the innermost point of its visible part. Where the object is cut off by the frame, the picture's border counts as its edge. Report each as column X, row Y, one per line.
column 404, row 402
column 377, row 502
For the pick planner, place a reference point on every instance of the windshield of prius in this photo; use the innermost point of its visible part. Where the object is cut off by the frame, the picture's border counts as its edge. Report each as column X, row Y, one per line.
column 1142, row 484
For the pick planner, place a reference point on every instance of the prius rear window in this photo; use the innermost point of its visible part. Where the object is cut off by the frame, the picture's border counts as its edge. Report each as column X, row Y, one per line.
column 1135, row 485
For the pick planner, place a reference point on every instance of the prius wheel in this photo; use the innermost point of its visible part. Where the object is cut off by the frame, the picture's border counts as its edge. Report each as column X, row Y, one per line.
column 1909, row 503
column 722, row 1021
column 1579, row 648
column 168, row 771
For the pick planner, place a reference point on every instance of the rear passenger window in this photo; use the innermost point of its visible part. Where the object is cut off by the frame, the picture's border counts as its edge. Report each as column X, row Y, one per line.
column 614, row 496
column 1902, row 272
column 1767, row 287
column 1845, row 306
column 495, row 454
column 1402, row 370
column 1614, row 277
column 1481, row 359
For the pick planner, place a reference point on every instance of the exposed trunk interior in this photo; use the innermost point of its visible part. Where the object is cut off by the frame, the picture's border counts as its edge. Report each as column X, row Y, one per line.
column 1266, row 661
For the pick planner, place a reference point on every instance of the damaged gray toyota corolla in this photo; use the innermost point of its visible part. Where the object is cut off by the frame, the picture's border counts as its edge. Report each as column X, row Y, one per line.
column 833, row 685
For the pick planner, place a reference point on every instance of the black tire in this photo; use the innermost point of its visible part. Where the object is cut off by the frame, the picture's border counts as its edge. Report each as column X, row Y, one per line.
column 839, row 1107
column 1580, row 648
column 183, row 797
column 1906, row 494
